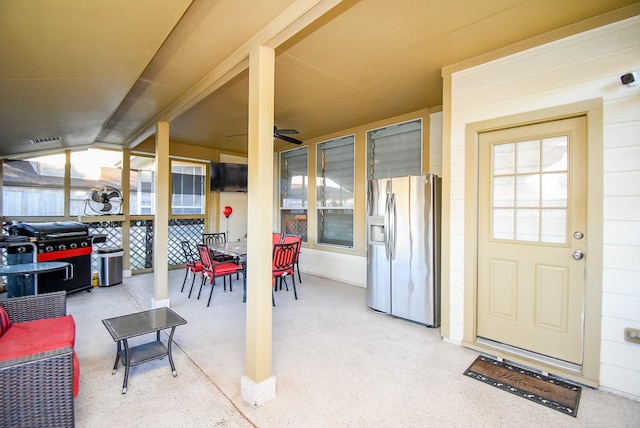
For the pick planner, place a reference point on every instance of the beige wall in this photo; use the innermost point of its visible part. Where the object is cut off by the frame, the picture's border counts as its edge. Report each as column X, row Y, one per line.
column 349, row 265
column 583, row 67
column 237, row 222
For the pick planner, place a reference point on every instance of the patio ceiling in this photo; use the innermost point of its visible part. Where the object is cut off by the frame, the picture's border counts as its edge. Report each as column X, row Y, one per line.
column 103, row 72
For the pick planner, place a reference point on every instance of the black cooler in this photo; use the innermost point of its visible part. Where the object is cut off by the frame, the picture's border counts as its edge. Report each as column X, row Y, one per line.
column 63, row 241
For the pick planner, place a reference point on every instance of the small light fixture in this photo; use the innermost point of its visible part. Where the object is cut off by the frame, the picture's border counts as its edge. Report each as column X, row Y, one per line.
column 45, row 140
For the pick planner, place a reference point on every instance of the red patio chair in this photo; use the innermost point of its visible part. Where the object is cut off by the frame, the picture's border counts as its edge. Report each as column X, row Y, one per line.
column 276, row 238
column 283, row 262
column 213, row 270
column 288, row 239
column 193, row 264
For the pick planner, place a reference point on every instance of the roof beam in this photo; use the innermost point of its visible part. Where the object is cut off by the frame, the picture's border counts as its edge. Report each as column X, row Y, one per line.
column 289, row 23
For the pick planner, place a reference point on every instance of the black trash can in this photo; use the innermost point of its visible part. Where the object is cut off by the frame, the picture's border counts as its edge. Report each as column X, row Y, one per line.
column 110, row 266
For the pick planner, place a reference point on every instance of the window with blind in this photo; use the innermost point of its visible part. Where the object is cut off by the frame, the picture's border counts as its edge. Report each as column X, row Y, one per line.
column 187, row 187
column 294, row 178
column 334, row 187
column 395, row 151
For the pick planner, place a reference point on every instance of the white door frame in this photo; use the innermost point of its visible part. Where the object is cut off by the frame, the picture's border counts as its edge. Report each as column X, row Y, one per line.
column 590, row 372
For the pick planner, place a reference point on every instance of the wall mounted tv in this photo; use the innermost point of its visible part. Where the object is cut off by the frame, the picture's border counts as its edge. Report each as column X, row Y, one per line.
column 228, row 177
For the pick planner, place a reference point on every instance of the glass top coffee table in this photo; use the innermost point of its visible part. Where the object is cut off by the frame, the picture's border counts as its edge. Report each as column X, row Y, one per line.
column 24, row 270
column 126, row 327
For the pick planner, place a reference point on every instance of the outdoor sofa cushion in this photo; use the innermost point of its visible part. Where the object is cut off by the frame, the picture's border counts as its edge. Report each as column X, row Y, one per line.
column 33, row 337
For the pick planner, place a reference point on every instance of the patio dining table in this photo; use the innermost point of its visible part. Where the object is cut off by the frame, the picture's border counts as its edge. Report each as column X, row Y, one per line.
column 236, row 249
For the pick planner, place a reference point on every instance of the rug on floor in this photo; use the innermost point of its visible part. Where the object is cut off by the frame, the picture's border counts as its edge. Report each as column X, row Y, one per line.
column 546, row 390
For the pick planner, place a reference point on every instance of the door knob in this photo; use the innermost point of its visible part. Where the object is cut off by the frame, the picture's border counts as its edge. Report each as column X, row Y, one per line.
column 578, row 255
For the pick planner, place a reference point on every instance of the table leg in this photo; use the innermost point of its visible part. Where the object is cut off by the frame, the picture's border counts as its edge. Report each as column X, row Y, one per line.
column 115, row 365
column 244, row 283
column 127, row 360
column 173, row 367
column 24, row 285
column 35, row 284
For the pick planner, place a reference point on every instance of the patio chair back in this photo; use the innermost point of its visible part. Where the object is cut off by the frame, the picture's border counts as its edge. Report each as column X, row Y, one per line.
column 288, row 239
column 276, row 238
column 214, row 238
column 193, row 264
column 283, row 265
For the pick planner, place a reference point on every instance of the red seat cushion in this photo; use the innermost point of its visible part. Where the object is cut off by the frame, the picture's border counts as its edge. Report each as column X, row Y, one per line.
column 33, row 337
column 226, row 268
column 194, row 266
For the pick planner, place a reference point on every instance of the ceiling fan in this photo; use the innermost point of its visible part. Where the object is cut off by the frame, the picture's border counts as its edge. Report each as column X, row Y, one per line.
column 282, row 134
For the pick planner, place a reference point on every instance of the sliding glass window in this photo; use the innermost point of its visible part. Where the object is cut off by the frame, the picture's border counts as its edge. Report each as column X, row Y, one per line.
column 294, row 182
column 334, row 187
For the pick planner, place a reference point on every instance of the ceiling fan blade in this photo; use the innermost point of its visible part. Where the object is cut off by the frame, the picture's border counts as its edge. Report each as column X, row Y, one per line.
column 275, row 131
column 106, row 208
column 287, row 139
column 287, row 131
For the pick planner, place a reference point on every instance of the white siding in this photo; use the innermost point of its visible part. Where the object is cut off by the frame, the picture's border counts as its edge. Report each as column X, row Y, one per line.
column 582, row 67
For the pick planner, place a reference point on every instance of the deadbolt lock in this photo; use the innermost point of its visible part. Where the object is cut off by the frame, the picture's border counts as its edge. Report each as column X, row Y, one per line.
column 578, row 235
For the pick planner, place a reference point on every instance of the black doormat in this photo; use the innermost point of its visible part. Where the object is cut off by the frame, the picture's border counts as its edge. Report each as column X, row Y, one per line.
column 546, row 390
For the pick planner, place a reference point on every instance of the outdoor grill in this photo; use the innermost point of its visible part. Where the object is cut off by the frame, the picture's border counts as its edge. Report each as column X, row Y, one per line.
column 63, row 241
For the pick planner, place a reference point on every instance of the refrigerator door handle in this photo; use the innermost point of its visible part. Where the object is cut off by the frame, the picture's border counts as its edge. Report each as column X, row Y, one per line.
column 387, row 237
column 394, row 228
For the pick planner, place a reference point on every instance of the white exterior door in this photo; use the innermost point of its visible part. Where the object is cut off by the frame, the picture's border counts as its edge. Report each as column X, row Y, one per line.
column 532, row 238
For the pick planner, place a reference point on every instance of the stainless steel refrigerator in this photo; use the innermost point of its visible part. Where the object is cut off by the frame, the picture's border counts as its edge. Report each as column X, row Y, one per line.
column 403, row 252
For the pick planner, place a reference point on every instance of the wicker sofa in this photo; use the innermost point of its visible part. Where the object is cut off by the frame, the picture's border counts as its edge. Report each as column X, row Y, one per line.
column 39, row 371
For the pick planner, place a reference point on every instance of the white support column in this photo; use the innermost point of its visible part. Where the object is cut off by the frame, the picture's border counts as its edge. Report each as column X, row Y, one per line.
column 258, row 385
column 161, row 222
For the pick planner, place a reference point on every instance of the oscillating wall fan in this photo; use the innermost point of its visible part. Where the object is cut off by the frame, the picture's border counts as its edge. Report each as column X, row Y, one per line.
column 105, row 200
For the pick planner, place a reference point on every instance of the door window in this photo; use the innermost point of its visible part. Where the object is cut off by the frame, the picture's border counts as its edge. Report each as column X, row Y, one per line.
column 529, row 190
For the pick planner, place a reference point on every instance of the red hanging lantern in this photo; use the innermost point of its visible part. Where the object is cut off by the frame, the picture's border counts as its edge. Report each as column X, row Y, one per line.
column 227, row 211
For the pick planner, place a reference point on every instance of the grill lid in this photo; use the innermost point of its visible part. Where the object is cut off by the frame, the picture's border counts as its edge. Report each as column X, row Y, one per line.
column 50, row 230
